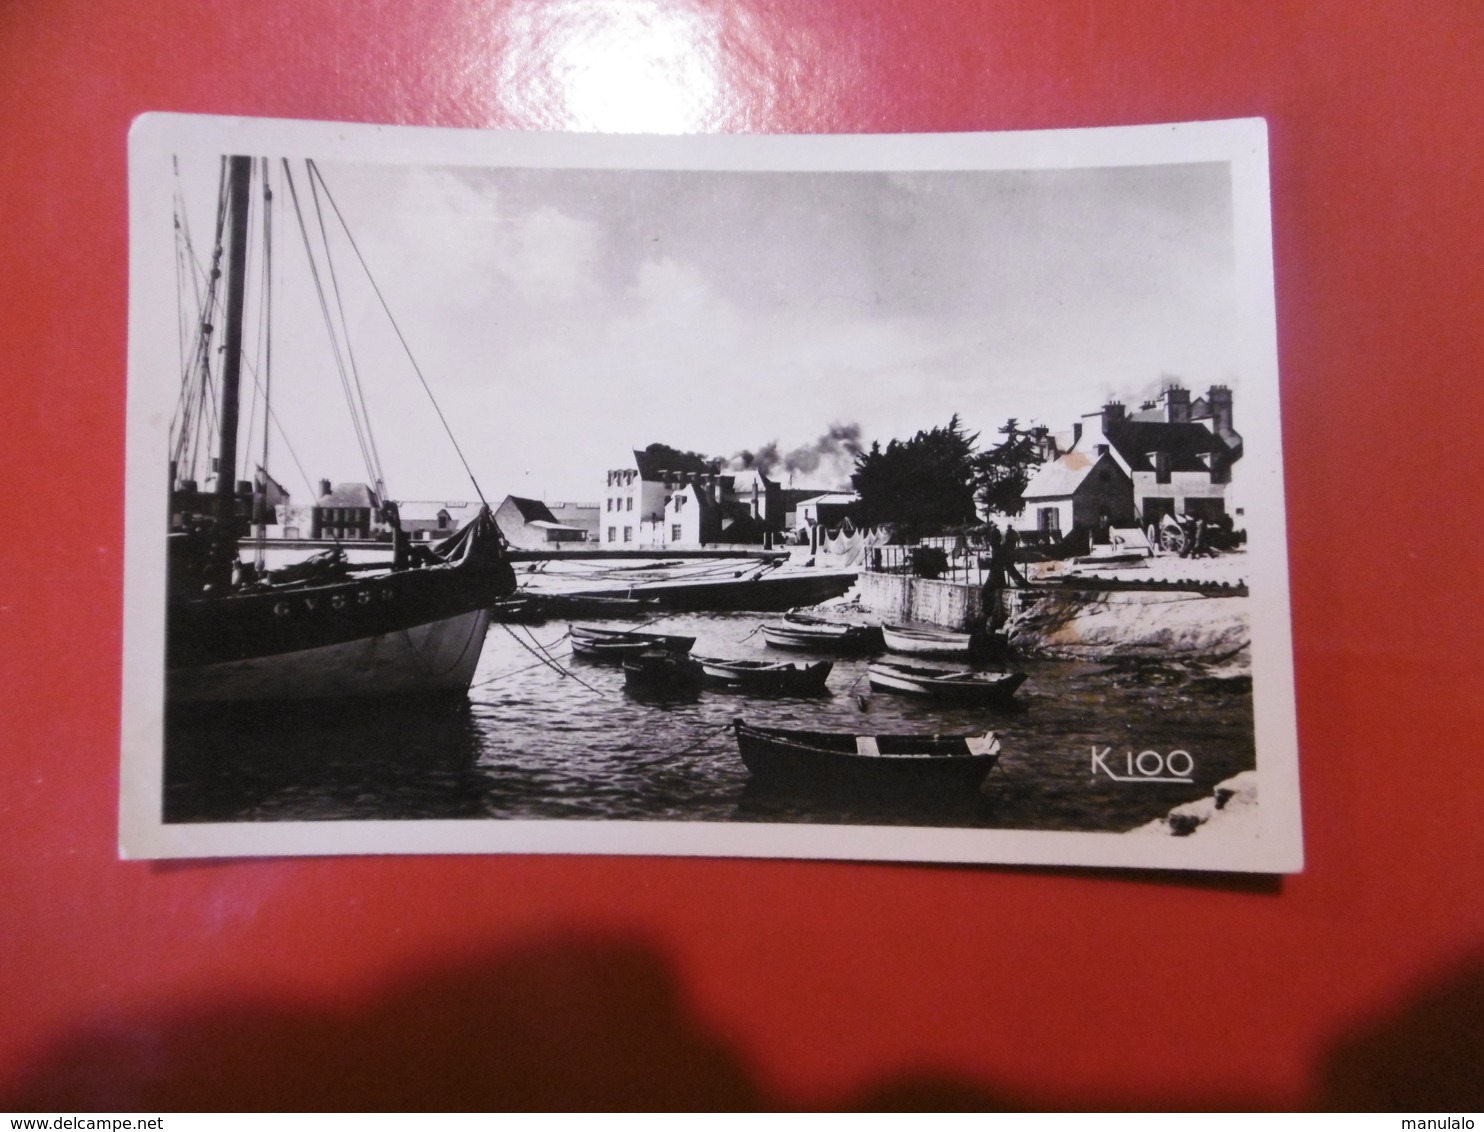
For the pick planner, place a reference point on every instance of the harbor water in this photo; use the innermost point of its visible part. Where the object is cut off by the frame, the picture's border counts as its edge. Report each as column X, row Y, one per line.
column 544, row 734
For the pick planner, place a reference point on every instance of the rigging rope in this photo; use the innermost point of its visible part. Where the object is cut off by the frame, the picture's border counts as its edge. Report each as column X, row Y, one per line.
column 349, row 348
column 553, row 665
column 329, row 321
column 316, row 175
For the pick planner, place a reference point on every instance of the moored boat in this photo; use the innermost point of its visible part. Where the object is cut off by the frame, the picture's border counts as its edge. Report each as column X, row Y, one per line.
column 236, row 631
column 925, row 640
column 812, row 634
column 767, row 677
column 959, row 686
column 618, row 644
column 830, row 758
column 659, row 672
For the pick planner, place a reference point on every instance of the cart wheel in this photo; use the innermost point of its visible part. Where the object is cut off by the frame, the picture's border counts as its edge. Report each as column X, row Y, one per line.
column 1172, row 539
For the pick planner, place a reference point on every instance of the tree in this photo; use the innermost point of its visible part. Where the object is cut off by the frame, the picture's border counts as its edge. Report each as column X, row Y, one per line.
column 1002, row 472
column 921, row 485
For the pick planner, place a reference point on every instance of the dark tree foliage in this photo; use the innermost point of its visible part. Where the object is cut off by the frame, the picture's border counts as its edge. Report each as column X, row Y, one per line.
column 922, row 485
column 1001, row 472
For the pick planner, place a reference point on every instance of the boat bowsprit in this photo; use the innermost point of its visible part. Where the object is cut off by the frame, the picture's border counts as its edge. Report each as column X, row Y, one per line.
column 958, row 686
column 827, row 759
column 763, row 677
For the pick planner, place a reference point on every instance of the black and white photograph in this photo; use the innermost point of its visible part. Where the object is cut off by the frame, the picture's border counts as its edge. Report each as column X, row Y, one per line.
column 880, row 497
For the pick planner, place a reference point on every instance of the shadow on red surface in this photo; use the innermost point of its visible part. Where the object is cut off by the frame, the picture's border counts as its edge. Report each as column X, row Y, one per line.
column 593, row 1024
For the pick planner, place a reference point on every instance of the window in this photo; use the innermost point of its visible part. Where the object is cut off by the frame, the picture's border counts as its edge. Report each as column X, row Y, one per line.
column 610, row 504
column 628, row 534
column 1047, row 519
column 629, row 503
column 612, row 534
column 675, row 535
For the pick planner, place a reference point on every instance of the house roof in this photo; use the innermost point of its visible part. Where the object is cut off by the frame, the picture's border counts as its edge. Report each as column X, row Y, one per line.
column 1185, row 442
column 531, row 510
column 659, row 458
column 1060, row 477
column 832, row 498
column 348, row 495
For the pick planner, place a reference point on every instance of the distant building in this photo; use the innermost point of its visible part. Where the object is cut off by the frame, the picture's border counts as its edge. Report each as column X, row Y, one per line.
column 347, row 511
column 530, row 524
column 1086, row 490
column 1172, row 456
column 430, row 520
column 825, row 509
column 671, row 498
column 583, row 516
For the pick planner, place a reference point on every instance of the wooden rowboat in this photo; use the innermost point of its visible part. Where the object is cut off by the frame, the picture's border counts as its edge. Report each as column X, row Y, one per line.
column 945, row 685
column 660, row 673
column 765, row 677
column 808, row 634
column 844, row 759
column 922, row 640
column 619, row 644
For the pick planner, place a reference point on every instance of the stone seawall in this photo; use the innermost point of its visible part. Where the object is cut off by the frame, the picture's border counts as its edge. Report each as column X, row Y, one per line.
column 901, row 597
column 1084, row 624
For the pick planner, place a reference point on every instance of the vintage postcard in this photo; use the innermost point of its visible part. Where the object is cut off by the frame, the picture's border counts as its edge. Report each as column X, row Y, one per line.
column 893, row 497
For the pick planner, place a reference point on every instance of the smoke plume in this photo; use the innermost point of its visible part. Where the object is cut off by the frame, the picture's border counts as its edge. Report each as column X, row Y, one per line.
column 826, row 462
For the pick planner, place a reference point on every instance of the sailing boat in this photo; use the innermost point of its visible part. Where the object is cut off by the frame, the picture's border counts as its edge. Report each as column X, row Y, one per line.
column 325, row 628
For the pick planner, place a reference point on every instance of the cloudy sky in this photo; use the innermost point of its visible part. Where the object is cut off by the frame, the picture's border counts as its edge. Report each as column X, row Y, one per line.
column 563, row 317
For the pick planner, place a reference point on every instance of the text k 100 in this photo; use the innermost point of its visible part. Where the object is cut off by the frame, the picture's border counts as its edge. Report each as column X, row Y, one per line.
column 1146, row 766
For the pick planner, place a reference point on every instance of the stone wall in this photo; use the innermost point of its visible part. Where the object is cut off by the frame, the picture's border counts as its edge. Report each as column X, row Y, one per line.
column 902, row 597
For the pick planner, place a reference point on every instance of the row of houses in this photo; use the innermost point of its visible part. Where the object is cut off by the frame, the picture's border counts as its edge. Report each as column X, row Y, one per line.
column 1171, row 456
column 1113, row 468
column 670, row 498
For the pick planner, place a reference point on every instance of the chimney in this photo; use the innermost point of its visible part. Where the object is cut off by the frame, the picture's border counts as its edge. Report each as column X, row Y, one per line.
column 1112, row 414
column 1177, row 404
column 1076, row 431
column 324, row 488
column 1219, row 398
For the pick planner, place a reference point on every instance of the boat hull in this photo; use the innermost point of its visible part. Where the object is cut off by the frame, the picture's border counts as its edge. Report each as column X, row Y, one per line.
column 926, row 642
column 439, row 656
column 768, row 679
column 809, row 638
column 909, row 681
column 832, row 761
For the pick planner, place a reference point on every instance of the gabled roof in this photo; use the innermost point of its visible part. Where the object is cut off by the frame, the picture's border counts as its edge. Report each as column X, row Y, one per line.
column 531, row 510
column 1061, row 477
column 1184, row 442
column 348, row 495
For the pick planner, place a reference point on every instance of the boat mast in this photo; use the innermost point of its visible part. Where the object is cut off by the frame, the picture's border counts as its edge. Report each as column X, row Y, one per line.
column 239, row 176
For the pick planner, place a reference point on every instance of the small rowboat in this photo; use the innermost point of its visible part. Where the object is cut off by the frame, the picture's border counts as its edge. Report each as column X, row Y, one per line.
column 618, row 644
column 811, row 634
column 945, row 685
column 828, row 758
column 658, row 673
column 767, row 677
column 920, row 640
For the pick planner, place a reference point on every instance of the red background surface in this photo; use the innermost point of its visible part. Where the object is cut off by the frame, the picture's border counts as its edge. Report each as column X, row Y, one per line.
column 543, row 981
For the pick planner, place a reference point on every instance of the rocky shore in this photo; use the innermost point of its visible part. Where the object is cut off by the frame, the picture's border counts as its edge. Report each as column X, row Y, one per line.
column 1230, row 811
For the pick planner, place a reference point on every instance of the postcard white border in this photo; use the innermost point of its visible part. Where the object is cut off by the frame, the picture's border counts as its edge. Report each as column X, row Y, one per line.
column 1278, row 846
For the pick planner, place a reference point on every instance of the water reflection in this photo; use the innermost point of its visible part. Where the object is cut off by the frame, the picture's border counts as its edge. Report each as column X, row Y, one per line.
column 529, row 742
